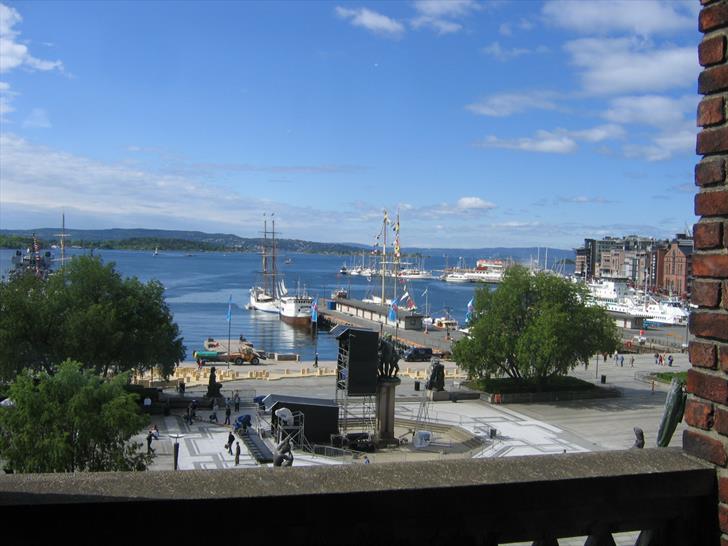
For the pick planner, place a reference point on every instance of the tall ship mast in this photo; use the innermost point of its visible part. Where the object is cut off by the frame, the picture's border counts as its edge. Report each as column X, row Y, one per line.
column 265, row 297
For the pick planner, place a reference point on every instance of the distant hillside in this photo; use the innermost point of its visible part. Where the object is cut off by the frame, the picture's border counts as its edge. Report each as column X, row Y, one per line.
column 149, row 239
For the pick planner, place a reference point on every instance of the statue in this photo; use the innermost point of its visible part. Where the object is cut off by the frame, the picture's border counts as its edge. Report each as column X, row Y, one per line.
column 388, row 358
column 283, row 456
column 639, row 441
column 213, row 387
column 436, row 380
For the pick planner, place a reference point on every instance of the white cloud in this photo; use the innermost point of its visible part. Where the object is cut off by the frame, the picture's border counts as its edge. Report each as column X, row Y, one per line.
column 664, row 146
column 624, row 65
column 544, row 142
column 584, row 200
column 654, row 110
column 37, row 119
column 14, row 54
column 6, row 97
column 505, row 29
column 505, row 54
column 597, row 134
column 507, row 104
column 474, row 203
column 372, row 21
column 646, row 17
column 438, row 14
column 560, row 141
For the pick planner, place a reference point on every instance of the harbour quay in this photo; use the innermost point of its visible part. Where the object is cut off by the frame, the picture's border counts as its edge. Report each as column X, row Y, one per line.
column 408, row 329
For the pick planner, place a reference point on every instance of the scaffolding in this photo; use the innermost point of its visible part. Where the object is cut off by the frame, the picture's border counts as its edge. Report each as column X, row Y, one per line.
column 356, row 413
column 294, row 431
column 423, row 415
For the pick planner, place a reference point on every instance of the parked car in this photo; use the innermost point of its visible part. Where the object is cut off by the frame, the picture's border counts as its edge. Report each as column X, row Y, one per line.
column 418, row 354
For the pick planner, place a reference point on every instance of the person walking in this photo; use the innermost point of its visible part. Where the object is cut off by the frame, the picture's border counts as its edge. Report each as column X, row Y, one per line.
column 669, row 360
column 237, row 453
column 657, row 359
column 230, row 441
column 236, row 401
column 631, row 361
column 315, row 361
column 661, row 360
column 227, row 416
column 621, row 361
column 150, row 437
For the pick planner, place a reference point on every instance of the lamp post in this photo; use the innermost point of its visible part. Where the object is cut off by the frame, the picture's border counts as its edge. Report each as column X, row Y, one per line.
column 176, row 448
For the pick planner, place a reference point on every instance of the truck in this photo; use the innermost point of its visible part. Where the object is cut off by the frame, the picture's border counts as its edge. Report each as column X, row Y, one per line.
column 245, row 354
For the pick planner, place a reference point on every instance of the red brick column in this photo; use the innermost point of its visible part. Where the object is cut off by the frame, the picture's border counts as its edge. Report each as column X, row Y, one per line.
column 706, row 413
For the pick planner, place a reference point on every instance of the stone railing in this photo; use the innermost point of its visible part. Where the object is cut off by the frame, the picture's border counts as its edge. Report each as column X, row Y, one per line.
column 493, row 501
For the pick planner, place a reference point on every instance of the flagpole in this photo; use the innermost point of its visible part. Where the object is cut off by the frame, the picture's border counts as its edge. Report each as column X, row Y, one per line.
column 230, row 323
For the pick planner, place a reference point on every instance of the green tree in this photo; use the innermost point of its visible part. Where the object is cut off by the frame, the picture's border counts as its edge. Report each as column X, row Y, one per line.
column 71, row 421
column 533, row 327
column 88, row 313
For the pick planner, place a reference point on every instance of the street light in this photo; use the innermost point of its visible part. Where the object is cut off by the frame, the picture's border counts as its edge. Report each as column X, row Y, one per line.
column 176, row 447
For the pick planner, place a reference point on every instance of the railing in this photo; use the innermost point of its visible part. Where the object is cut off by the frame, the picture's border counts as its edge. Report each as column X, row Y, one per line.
column 661, row 492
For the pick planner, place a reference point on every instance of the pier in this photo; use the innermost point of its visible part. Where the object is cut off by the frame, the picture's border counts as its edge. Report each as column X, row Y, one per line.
column 374, row 317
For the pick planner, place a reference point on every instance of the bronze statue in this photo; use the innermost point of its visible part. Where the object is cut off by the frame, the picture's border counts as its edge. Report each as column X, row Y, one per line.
column 436, row 380
column 388, row 358
column 213, row 387
column 283, row 456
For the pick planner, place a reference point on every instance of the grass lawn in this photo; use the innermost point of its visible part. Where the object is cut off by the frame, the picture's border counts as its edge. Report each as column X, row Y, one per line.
column 666, row 377
column 508, row 385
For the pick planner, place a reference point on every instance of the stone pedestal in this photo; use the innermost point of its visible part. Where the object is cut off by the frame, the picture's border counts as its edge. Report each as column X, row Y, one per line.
column 438, row 396
column 385, row 408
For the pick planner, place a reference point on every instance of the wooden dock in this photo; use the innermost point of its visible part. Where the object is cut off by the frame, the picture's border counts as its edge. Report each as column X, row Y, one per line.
column 439, row 340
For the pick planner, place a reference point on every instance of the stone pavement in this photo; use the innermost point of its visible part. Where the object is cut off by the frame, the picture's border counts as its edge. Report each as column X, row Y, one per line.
column 202, row 446
column 554, row 427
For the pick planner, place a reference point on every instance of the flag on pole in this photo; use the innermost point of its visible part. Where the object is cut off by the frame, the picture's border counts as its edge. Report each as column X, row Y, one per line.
column 230, row 309
column 404, row 297
column 314, row 310
column 393, row 312
column 469, row 314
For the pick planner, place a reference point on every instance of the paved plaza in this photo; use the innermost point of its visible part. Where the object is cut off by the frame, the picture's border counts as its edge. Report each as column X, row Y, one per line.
column 522, row 429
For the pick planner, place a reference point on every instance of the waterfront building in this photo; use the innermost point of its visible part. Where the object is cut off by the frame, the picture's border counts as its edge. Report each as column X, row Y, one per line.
column 678, row 265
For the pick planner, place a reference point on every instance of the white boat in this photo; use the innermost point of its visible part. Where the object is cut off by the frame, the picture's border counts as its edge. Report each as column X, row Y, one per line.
column 415, row 274
column 294, row 309
column 614, row 295
column 377, row 300
column 156, row 251
column 456, row 276
column 260, row 300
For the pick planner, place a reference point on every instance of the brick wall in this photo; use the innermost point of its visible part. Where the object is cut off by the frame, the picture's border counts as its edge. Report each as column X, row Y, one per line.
column 706, row 413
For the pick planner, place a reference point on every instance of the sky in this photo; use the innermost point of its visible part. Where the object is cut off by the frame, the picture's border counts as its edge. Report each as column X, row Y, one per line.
column 484, row 123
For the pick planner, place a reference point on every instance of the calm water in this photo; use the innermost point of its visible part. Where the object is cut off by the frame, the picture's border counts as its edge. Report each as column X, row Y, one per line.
column 198, row 288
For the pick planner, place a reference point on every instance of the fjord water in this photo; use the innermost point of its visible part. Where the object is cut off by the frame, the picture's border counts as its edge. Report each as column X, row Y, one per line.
column 198, row 288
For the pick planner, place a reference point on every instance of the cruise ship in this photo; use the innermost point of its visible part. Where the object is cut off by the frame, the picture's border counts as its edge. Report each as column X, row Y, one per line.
column 615, row 295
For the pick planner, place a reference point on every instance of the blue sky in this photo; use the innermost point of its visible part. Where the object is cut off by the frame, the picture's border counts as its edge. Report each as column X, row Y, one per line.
column 503, row 123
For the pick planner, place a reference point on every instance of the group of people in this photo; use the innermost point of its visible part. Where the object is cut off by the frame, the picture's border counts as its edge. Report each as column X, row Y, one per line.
column 662, row 360
column 229, row 404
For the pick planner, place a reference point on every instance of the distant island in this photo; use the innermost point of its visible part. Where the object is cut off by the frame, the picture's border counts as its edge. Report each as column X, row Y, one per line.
column 198, row 241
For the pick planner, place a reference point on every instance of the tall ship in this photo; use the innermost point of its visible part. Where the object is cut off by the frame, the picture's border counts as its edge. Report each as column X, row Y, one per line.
column 33, row 262
column 272, row 296
column 264, row 296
